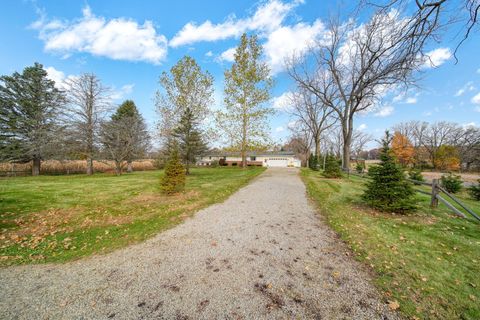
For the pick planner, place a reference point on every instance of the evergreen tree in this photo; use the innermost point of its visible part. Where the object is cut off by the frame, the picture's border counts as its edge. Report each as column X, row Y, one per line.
column 173, row 180
column 29, row 112
column 388, row 190
column 124, row 137
column 135, row 132
column 189, row 138
column 313, row 162
column 332, row 168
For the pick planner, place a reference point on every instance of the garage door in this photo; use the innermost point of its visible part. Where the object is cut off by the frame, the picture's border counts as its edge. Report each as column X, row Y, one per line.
column 277, row 162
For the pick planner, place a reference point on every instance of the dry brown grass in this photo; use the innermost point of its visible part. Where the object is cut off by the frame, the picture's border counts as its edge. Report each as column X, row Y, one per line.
column 75, row 166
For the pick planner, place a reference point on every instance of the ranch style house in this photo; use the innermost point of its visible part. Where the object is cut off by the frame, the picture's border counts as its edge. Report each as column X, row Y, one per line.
column 280, row 159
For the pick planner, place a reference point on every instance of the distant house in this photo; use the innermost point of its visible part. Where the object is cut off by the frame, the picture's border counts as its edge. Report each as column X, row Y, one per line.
column 266, row 159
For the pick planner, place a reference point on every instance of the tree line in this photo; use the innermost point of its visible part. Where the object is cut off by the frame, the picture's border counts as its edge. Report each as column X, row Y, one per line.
column 41, row 120
column 355, row 66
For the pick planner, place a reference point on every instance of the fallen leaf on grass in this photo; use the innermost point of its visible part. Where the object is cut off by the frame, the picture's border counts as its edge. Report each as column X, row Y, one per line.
column 393, row 305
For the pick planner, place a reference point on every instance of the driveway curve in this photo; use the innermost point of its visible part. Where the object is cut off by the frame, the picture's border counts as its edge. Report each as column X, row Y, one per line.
column 262, row 254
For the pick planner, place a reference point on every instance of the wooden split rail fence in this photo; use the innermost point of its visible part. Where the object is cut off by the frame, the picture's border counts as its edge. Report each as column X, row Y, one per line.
column 438, row 193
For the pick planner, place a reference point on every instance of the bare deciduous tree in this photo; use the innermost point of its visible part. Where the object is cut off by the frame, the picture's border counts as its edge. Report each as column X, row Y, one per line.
column 88, row 103
column 355, row 65
column 429, row 16
column 313, row 114
column 300, row 141
column 359, row 141
column 437, row 135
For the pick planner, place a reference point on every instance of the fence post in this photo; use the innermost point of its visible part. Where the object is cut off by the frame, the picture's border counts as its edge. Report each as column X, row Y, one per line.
column 434, row 200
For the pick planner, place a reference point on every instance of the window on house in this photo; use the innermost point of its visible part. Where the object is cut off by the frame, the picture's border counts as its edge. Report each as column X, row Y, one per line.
column 253, row 158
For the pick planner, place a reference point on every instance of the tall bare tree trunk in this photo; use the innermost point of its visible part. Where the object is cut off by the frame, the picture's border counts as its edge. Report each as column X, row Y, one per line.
column 244, row 142
column 118, row 168
column 129, row 166
column 317, row 148
column 36, row 166
column 347, row 142
column 89, row 166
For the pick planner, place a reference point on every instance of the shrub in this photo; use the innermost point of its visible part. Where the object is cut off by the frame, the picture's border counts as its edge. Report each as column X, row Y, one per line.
column 332, row 168
column 214, row 163
column 451, row 182
column 475, row 191
column 174, row 178
column 313, row 162
column 359, row 168
column 416, row 174
column 388, row 190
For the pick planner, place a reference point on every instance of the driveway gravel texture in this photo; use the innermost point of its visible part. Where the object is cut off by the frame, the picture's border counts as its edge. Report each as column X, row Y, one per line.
column 262, row 254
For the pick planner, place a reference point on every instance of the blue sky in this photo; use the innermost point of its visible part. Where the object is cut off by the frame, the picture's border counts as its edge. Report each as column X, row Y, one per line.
column 128, row 44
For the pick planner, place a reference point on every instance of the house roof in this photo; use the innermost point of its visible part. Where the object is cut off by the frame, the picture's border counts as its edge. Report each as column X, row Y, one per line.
column 249, row 154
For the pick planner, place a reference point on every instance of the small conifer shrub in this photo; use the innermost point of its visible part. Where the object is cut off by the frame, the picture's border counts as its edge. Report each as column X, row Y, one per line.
column 313, row 162
column 173, row 180
column 388, row 190
column 416, row 174
column 475, row 191
column 359, row 168
column 451, row 182
column 332, row 168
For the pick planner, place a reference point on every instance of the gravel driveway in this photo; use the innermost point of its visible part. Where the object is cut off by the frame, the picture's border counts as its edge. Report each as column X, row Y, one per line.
column 262, row 254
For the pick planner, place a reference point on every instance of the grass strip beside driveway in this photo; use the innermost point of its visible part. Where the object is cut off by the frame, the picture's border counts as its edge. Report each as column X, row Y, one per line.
column 60, row 218
column 427, row 262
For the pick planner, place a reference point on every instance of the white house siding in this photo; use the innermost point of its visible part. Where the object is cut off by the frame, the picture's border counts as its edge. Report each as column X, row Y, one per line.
column 267, row 161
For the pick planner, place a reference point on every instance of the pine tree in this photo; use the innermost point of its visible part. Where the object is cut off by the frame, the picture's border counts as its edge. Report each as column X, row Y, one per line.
column 173, row 180
column 388, row 190
column 332, row 168
column 189, row 138
column 313, row 162
column 29, row 112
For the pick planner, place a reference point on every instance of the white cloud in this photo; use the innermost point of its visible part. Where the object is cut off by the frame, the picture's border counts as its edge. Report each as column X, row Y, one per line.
column 411, row 100
column 282, row 102
column 228, row 55
column 55, row 75
column 477, row 109
column 120, row 94
column 279, row 129
column 292, row 124
column 268, row 16
column 476, row 99
column 398, row 97
column 469, row 125
column 427, row 113
column 437, row 57
column 286, row 41
column 209, row 54
column 478, row 70
column 466, row 88
column 362, row 127
column 384, row 111
column 118, row 39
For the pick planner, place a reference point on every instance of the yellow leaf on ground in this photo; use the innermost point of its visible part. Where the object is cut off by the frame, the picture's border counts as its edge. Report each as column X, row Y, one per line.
column 393, row 305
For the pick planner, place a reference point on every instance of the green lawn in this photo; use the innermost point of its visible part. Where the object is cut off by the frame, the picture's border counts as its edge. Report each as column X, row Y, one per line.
column 59, row 218
column 428, row 262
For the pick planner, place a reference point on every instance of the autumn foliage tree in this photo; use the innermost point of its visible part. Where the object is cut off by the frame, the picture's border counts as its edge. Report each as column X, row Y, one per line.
column 403, row 149
column 247, row 90
column 447, row 158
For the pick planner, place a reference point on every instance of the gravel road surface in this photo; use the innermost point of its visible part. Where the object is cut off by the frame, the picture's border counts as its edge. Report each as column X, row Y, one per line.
column 262, row 254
